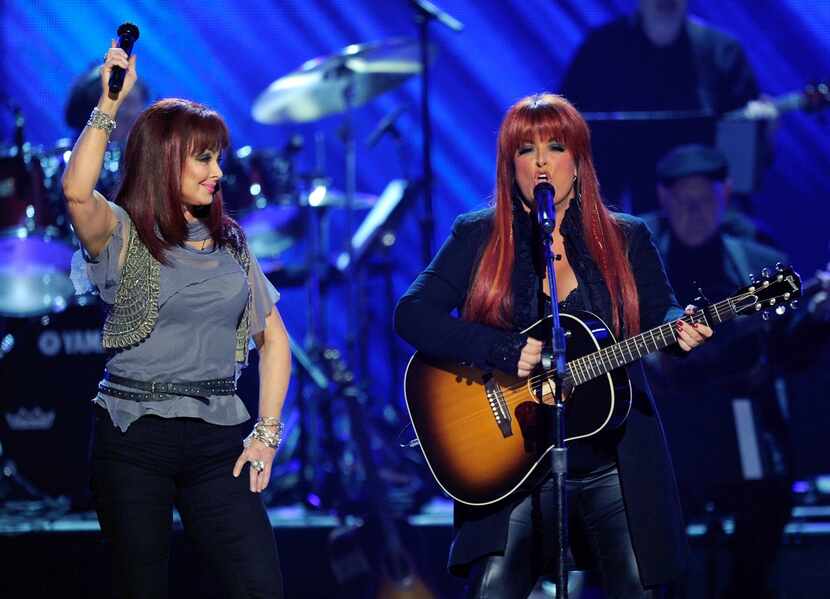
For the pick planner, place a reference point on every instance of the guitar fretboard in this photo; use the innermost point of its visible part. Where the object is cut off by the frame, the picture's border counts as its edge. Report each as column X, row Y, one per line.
column 591, row 366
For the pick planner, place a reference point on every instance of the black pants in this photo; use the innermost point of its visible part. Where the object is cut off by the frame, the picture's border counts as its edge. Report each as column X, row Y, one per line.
column 596, row 516
column 137, row 478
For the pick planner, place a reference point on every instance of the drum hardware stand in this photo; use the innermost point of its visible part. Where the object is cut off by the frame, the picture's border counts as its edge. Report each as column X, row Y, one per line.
column 554, row 361
column 714, row 539
column 387, row 126
column 318, row 467
column 335, row 84
column 13, row 487
column 23, row 183
column 315, row 408
column 426, row 12
column 353, row 283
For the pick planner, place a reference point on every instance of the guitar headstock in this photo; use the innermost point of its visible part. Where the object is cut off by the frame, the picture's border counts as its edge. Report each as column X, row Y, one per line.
column 769, row 290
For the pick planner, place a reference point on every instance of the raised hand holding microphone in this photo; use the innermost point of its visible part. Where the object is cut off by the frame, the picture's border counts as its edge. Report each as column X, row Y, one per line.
column 92, row 219
column 118, row 73
column 127, row 36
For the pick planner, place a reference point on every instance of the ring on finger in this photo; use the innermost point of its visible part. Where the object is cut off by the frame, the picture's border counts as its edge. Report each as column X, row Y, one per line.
column 258, row 465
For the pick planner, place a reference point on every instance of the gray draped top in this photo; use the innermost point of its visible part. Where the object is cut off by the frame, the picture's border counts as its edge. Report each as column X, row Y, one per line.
column 202, row 295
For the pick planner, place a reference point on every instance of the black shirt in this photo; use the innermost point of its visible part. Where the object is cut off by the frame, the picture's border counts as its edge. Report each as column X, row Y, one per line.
column 617, row 68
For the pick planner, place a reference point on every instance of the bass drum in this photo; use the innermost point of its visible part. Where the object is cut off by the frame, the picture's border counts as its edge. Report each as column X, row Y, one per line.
column 50, row 367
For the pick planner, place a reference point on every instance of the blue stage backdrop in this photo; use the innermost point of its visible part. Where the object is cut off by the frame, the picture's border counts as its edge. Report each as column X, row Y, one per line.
column 225, row 53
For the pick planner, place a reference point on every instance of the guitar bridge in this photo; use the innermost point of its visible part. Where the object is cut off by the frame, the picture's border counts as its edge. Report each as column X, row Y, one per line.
column 498, row 406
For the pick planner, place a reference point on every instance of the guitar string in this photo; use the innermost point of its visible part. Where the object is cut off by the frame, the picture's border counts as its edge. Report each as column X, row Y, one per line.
column 513, row 395
column 616, row 350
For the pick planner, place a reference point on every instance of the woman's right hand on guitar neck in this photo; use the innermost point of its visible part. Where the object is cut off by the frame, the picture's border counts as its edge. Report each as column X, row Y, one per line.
column 531, row 356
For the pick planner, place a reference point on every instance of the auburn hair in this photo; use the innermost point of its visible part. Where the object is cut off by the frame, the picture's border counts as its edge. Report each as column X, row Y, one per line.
column 164, row 136
column 549, row 116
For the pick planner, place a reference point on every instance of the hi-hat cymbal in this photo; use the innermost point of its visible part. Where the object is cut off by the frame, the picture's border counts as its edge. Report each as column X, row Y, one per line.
column 330, row 84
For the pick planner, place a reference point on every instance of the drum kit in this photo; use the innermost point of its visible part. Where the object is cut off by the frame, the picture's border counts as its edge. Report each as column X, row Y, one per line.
column 285, row 214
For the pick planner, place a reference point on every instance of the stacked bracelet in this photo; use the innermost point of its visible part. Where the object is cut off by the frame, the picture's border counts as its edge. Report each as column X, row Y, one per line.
column 101, row 120
column 267, row 430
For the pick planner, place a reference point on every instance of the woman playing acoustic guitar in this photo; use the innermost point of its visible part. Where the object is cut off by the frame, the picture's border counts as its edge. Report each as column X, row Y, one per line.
column 623, row 507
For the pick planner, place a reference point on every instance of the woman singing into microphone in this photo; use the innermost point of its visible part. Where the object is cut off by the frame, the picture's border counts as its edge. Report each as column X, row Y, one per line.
column 623, row 504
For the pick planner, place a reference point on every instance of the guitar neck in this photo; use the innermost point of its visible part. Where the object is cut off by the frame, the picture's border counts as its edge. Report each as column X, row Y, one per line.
column 591, row 366
column 789, row 102
column 811, row 98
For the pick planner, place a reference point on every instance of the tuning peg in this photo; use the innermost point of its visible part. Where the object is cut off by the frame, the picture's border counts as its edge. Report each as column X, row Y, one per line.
column 779, row 267
column 765, row 272
column 781, row 309
column 752, row 278
column 794, row 305
column 765, row 314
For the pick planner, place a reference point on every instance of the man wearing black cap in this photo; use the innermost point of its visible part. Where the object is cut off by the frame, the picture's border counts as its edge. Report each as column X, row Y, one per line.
column 727, row 420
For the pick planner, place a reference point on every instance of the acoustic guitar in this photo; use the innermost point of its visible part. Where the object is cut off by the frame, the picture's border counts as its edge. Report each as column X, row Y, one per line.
column 483, row 433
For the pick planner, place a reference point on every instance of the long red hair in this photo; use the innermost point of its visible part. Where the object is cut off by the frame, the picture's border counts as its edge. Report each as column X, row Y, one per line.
column 551, row 117
column 162, row 139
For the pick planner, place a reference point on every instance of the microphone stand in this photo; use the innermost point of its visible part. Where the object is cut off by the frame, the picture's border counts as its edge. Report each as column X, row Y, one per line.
column 425, row 12
column 546, row 215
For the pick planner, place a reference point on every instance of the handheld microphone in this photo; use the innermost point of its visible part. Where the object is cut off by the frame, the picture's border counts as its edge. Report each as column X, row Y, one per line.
column 127, row 35
column 543, row 195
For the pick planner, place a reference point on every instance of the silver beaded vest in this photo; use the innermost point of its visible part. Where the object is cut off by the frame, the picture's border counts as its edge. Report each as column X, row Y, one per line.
column 135, row 311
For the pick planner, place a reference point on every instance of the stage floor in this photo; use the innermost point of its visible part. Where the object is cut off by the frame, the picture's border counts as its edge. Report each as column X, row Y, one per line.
column 63, row 554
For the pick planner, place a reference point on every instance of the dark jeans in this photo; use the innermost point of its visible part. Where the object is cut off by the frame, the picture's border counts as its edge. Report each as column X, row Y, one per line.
column 597, row 520
column 137, row 478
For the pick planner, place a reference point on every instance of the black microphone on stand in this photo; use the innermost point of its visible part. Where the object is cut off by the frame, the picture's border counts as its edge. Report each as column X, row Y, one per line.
column 543, row 195
column 127, row 36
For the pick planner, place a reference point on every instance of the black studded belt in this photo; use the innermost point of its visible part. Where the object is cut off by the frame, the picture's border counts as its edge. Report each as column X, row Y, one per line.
column 155, row 391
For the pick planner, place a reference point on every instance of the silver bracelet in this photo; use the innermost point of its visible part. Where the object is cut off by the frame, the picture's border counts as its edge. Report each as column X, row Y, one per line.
column 261, row 432
column 101, row 120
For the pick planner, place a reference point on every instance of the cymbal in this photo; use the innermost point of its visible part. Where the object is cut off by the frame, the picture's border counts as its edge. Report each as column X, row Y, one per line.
column 330, row 84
